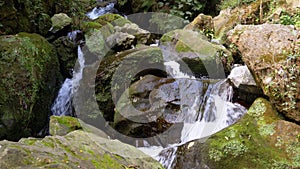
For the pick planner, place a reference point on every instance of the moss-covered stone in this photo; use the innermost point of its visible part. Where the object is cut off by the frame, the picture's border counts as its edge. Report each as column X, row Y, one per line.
column 29, row 71
column 258, row 140
column 122, row 68
column 67, row 52
column 115, row 19
column 77, row 149
column 59, row 21
column 104, row 20
column 61, row 125
column 202, row 57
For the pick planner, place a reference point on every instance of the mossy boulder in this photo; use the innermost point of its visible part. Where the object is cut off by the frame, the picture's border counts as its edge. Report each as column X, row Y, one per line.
column 147, row 111
column 29, row 72
column 78, row 149
column 62, row 125
column 117, row 32
column 116, row 72
column 202, row 57
column 67, row 55
column 59, row 21
column 259, row 140
column 105, row 20
column 114, row 19
column 271, row 52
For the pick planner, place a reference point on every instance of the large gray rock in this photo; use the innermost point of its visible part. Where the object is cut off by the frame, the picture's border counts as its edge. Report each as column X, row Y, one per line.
column 271, row 52
column 202, row 57
column 74, row 144
column 244, row 85
column 120, row 41
column 59, row 21
column 250, row 14
column 151, row 109
column 241, row 76
column 116, row 72
column 141, row 35
column 78, row 149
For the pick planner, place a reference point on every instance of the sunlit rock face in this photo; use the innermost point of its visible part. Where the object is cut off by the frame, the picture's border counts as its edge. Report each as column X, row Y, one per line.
column 271, row 52
column 71, row 147
column 246, row 89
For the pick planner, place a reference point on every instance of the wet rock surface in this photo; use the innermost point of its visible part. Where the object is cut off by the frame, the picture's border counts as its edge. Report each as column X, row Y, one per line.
column 257, row 140
column 201, row 57
column 120, row 69
column 245, row 86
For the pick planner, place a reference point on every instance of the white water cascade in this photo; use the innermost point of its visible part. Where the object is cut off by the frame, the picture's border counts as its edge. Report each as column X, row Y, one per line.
column 206, row 108
column 208, row 113
column 62, row 105
column 205, row 104
column 98, row 11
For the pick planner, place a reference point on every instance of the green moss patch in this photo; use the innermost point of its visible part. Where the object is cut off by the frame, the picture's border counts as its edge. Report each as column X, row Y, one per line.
column 29, row 72
column 61, row 125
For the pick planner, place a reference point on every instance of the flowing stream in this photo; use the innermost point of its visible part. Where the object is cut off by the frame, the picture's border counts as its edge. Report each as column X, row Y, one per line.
column 62, row 105
column 206, row 108
column 205, row 104
column 98, row 11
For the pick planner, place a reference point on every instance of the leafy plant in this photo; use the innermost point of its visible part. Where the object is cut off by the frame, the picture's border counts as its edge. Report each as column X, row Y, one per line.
column 233, row 3
column 186, row 9
column 286, row 75
column 290, row 19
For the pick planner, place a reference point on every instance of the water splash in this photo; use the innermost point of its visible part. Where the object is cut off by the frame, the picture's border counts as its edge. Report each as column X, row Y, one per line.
column 98, row 11
column 205, row 110
column 62, row 105
column 173, row 68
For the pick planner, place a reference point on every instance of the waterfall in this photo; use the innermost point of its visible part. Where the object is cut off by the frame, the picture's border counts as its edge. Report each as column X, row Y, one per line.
column 98, row 11
column 210, row 111
column 205, row 104
column 62, row 105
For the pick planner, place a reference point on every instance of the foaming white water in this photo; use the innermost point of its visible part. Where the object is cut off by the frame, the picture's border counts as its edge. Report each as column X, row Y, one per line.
column 173, row 68
column 62, row 105
column 98, row 11
column 205, row 110
column 72, row 35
